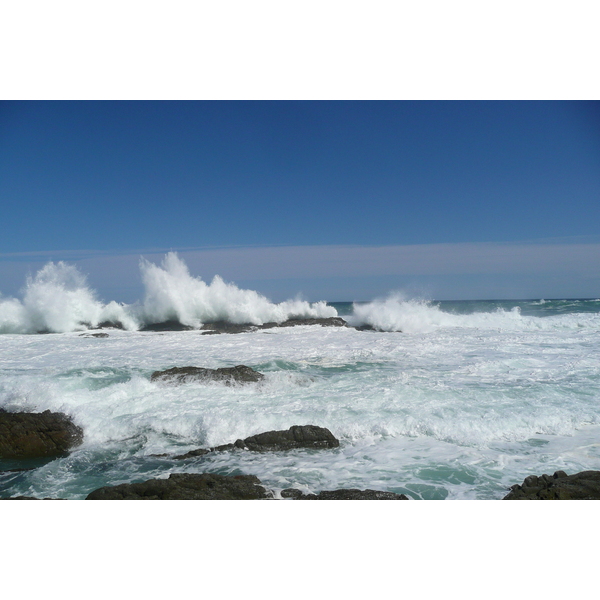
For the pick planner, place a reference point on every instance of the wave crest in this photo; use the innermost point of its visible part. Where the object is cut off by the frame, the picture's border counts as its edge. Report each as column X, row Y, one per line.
column 58, row 299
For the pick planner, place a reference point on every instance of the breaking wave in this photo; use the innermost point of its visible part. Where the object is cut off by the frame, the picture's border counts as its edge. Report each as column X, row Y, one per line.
column 57, row 299
column 396, row 313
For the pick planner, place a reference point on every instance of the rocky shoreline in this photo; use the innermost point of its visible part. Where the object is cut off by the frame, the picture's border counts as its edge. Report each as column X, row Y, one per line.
column 37, row 435
column 28, row 436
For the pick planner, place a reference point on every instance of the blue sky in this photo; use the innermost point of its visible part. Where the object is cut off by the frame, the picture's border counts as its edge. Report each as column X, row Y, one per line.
column 342, row 200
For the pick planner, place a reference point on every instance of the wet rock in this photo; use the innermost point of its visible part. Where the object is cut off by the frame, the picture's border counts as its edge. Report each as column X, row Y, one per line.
column 323, row 322
column 227, row 375
column 225, row 327
column 110, row 325
column 239, row 444
column 350, row 494
column 297, row 436
column 187, row 486
column 171, row 325
column 191, row 454
column 37, row 435
column 560, row 486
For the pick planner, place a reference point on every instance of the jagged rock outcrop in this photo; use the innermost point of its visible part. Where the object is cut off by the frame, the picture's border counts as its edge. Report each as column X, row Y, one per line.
column 37, row 435
column 350, row 494
column 297, row 436
column 227, row 375
column 187, row 486
column 560, row 486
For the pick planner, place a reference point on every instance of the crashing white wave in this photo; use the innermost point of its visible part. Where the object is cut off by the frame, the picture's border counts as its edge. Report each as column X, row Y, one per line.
column 58, row 299
column 172, row 293
column 396, row 313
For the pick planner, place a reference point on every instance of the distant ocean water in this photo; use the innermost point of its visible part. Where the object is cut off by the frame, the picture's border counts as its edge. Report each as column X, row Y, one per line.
column 447, row 400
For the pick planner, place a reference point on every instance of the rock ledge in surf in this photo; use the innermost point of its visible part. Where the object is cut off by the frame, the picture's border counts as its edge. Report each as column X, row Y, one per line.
column 226, row 327
column 349, row 494
column 297, row 436
column 210, row 486
column 560, row 486
column 226, row 375
column 172, row 325
column 187, row 486
column 37, row 435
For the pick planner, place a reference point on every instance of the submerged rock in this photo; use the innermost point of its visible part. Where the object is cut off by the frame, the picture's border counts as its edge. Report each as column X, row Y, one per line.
column 297, row 436
column 350, row 494
column 227, row 375
column 560, row 486
column 187, row 486
column 37, row 435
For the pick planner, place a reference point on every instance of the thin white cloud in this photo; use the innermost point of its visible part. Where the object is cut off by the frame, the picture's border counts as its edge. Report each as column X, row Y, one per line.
column 425, row 259
column 562, row 268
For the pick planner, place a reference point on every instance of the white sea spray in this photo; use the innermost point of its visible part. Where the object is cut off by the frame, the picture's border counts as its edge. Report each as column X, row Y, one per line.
column 172, row 293
column 58, row 299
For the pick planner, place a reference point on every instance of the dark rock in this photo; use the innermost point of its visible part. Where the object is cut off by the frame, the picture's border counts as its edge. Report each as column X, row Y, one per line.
column 190, row 454
column 33, row 435
column 187, row 486
column 227, row 375
column 239, row 444
column 172, row 325
column 110, row 325
column 560, row 486
column 350, row 494
column 225, row 327
column 324, row 322
column 297, row 436
column 366, row 328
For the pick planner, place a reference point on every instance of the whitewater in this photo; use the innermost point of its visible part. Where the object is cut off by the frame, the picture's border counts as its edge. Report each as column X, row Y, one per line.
column 439, row 400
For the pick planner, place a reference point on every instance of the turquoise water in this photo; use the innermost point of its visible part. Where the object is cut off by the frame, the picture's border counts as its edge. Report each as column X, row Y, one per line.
column 452, row 400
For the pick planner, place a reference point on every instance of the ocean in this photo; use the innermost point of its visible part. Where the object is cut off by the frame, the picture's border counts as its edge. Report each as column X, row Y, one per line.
column 441, row 401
